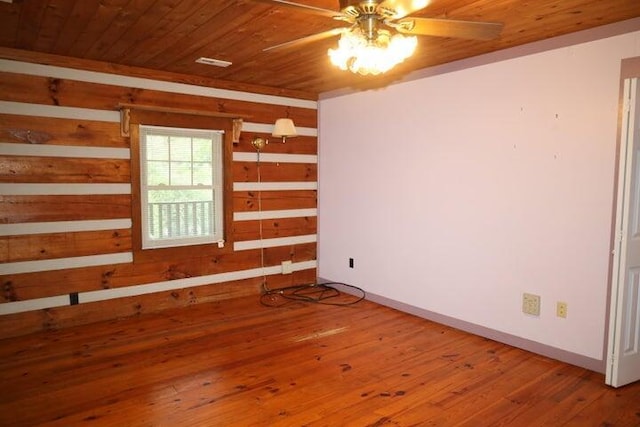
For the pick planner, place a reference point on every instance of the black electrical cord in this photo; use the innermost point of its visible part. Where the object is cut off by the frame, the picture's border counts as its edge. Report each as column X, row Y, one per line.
column 319, row 293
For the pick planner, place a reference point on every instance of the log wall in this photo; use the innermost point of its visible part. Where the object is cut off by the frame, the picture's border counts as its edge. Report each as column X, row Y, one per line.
column 66, row 251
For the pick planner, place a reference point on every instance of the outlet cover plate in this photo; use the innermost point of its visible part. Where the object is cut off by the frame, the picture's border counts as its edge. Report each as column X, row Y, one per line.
column 561, row 309
column 531, row 304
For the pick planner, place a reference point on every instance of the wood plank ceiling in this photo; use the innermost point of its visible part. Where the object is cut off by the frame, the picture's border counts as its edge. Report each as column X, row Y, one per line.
column 169, row 35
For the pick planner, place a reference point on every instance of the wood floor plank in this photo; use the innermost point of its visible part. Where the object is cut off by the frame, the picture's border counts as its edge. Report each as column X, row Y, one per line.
column 238, row 363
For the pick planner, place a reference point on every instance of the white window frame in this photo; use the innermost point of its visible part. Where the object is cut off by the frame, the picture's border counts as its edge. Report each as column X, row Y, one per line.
column 217, row 187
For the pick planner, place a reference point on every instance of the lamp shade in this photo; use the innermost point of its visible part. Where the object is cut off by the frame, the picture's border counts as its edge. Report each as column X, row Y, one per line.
column 284, row 128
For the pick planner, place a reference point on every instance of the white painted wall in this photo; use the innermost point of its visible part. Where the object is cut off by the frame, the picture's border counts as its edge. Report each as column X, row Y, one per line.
column 458, row 192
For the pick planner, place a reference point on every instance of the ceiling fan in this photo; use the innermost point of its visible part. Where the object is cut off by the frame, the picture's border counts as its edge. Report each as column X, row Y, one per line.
column 369, row 15
column 367, row 46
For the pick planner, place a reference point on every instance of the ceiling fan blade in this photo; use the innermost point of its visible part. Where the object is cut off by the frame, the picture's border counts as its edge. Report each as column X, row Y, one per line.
column 302, row 7
column 449, row 28
column 396, row 9
column 308, row 39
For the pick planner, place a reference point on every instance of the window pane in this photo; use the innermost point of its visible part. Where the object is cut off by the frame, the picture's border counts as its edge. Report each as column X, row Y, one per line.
column 180, row 213
column 202, row 174
column 158, row 173
column 180, row 173
column 202, row 149
column 157, row 147
column 180, row 149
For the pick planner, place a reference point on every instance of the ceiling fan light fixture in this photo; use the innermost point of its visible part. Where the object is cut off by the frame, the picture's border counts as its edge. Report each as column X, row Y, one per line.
column 358, row 54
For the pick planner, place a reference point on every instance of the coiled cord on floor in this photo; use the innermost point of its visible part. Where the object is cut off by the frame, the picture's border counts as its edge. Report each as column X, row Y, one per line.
column 320, row 293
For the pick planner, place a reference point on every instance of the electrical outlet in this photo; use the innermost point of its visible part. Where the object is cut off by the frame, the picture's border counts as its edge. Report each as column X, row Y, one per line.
column 561, row 309
column 531, row 304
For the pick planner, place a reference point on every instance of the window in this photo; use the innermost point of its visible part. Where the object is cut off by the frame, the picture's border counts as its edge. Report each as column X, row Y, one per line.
column 181, row 186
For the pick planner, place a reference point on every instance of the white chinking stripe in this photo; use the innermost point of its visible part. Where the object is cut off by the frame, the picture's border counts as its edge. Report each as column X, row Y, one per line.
column 33, row 304
column 32, row 69
column 131, row 291
column 303, row 265
column 288, row 213
column 274, row 186
column 57, row 112
column 272, row 243
column 64, row 263
column 63, row 189
column 190, row 282
column 268, row 128
column 240, row 156
column 28, row 228
column 42, row 150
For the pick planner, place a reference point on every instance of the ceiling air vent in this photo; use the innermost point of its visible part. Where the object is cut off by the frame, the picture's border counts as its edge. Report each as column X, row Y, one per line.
column 214, row 62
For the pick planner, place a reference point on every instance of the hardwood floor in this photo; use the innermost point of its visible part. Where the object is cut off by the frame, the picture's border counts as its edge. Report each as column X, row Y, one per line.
column 238, row 363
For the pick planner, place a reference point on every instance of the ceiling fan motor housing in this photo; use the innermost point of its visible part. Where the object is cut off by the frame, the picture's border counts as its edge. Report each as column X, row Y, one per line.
column 367, row 14
column 359, row 7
